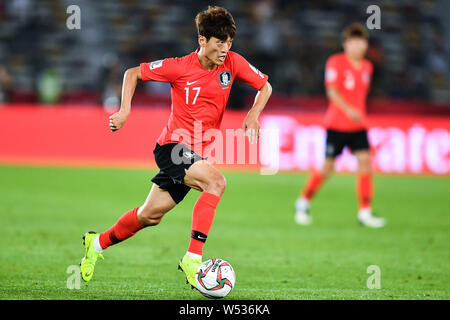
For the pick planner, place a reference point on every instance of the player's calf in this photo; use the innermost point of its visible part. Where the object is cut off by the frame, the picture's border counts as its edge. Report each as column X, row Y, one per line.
column 150, row 216
column 95, row 243
column 157, row 204
column 150, row 213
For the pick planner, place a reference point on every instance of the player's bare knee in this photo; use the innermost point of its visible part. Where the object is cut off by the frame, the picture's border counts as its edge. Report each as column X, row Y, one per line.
column 364, row 165
column 327, row 167
column 221, row 183
column 216, row 185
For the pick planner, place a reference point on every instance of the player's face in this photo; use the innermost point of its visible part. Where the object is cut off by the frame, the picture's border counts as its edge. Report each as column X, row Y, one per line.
column 216, row 50
column 356, row 48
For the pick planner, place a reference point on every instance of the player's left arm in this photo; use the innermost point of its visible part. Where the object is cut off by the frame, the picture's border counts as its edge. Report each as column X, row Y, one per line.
column 251, row 124
column 130, row 80
column 247, row 73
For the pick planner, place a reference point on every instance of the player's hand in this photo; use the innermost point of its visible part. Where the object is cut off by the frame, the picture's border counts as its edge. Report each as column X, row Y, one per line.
column 117, row 120
column 354, row 115
column 251, row 129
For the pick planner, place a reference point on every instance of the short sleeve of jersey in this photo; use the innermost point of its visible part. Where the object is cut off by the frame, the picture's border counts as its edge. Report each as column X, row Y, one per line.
column 331, row 72
column 166, row 70
column 247, row 73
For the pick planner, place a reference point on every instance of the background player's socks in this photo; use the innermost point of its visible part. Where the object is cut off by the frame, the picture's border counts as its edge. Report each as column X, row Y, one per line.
column 366, row 218
column 202, row 219
column 364, row 190
column 302, row 216
column 313, row 184
column 302, row 204
column 124, row 228
column 302, row 211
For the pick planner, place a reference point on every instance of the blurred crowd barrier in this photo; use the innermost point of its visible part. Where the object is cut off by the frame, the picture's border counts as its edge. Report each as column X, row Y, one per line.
column 291, row 141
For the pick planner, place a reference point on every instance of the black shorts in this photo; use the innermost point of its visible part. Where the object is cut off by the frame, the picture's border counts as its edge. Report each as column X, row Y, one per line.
column 337, row 140
column 172, row 160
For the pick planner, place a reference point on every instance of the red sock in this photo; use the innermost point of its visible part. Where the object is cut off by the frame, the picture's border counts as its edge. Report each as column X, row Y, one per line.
column 313, row 184
column 364, row 190
column 202, row 219
column 124, row 228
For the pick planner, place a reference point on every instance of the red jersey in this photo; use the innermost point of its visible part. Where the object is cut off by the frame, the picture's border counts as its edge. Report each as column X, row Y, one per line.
column 353, row 84
column 199, row 96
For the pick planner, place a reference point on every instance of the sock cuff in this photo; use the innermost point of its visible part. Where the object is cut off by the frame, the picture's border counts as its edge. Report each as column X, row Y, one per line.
column 97, row 246
column 193, row 255
column 210, row 199
column 134, row 213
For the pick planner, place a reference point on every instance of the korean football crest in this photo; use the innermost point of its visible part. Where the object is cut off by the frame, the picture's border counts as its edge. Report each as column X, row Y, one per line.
column 225, row 78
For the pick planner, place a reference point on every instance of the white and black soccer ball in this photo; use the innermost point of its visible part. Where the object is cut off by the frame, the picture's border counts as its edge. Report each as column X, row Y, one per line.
column 215, row 278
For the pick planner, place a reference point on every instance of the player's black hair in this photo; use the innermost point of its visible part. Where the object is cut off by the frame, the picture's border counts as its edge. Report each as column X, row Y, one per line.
column 355, row 30
column 215, row 22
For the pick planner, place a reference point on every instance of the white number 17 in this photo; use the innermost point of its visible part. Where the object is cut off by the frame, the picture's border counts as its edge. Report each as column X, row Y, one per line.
column 196, row 95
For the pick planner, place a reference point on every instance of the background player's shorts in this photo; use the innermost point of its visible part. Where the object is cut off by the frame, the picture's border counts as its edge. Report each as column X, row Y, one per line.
column 172, row 169
column 337, row 140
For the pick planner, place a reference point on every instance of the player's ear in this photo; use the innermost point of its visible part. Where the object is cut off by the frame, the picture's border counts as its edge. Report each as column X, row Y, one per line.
column 202, row 41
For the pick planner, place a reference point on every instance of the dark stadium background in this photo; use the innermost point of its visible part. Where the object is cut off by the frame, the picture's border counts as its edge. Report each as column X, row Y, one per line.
column 289, row 40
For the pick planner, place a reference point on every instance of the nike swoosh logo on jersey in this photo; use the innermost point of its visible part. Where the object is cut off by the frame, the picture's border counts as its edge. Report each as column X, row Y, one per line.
column 189, row 83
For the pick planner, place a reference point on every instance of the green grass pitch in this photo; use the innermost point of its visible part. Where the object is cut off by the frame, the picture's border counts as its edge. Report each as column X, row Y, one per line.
column 45, row 211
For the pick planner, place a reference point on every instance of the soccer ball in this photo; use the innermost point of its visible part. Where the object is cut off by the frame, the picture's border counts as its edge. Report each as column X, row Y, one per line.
column 215, row 278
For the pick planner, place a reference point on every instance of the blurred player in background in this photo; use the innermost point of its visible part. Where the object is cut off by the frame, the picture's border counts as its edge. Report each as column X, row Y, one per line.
column 347, row 81
column 200, row 86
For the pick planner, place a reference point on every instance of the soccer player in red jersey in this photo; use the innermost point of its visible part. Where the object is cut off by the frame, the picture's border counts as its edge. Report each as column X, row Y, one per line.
column 347, row 82
column 200, row 85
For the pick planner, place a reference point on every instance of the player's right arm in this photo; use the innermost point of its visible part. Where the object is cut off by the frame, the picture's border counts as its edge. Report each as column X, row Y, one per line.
column 130, row 80
column 332, row 78
column 166, row 70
